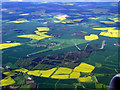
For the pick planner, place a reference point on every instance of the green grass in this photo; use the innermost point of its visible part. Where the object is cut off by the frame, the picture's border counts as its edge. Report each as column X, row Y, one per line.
column 25, row 87
column 101, row 86
column 63, row 43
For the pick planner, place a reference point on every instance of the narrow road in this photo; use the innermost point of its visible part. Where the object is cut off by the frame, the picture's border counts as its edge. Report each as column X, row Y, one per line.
column 76, row 45
column 103, row 44
column 96, row 79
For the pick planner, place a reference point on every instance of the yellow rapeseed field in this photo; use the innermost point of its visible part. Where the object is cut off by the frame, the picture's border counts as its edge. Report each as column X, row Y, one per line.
column 117, row 31
column 60, row 18
column 93, row 18
column 7, row 81
column 63, row 22
column 106, row 28
column 42, row 73
column 85, row 79
column 84, row 67
column 34, row 72
column 74, row 75
column 108, row 22
column 8, row 45
column 47, row 73
column 40, row 33
column 110, row 34
column 77, row 19
column 63, row 70
column 23, row 70
column 43, row 28
column 60, row 73
column 91, row 37
column 33, row 36
column 57, row 21
column 60, row 76
column 115, row 19
column 9, row 73
column 19, row 21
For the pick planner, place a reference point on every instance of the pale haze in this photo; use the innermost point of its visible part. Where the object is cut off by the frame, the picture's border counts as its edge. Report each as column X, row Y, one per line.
column 60, row 0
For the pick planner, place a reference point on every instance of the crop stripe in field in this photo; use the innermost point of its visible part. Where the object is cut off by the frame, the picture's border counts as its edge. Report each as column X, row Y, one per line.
column 110, row 65
column 56, row 83
column 109, row 68
column 110, row 57
column 116, row 70
column 112, row 62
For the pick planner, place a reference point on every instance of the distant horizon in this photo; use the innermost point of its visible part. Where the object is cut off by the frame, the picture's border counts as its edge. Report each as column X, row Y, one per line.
column 64, row 2
column 60, row 1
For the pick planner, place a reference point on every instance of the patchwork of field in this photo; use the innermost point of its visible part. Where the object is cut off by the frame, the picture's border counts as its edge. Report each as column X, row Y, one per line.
column 53, row 45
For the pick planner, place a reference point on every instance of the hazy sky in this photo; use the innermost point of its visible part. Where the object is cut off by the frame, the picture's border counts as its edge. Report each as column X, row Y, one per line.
column 61, row 0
